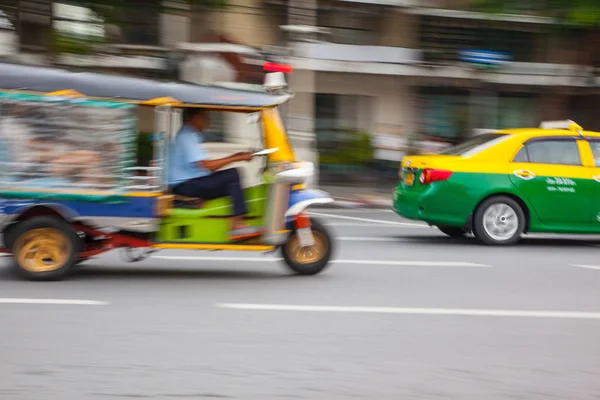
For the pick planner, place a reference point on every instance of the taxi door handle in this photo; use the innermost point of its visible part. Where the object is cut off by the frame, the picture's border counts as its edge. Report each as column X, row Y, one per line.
column 524, row 174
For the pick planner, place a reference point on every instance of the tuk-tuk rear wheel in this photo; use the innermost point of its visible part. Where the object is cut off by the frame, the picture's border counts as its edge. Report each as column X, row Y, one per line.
column 8, row 237
column 310, row 260
column 45, row 248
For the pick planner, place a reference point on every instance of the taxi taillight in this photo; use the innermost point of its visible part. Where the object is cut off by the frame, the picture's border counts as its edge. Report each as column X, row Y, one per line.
column 433, row 175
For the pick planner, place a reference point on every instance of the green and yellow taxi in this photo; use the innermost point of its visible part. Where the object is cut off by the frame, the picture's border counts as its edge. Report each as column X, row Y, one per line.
column 503, row 184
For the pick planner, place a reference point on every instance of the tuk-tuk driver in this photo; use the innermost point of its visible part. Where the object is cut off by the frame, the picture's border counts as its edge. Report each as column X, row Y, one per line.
column 192, row 174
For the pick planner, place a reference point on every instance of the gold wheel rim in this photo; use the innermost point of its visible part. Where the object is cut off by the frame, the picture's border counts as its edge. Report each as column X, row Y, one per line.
column 42, row 250
column 307, row 255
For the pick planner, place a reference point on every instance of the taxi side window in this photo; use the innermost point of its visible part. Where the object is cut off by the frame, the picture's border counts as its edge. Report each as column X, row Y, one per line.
column 595, row 145
column 562, row 152
column 522, row 155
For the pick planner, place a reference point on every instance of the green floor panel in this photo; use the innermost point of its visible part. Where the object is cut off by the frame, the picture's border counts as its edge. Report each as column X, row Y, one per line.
column 204, row 225
column 198, row 230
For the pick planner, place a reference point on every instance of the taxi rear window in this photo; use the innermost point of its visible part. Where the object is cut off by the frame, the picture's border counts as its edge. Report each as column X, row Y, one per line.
column 475, row 144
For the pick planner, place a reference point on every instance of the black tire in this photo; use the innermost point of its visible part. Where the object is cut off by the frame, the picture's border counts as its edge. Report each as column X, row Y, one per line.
column 8, row 237
column 322, row 236
column 452, row 231
column 478, row 223
column 64, row 240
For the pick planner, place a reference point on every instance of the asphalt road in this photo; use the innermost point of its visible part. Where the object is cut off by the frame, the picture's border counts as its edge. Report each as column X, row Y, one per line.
column 404, row 313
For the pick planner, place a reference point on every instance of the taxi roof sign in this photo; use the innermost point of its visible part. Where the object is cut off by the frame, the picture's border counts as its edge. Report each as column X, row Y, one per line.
column 566, row 124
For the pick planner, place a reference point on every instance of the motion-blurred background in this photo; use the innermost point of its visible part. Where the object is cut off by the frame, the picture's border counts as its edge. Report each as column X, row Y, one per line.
column 372, row 79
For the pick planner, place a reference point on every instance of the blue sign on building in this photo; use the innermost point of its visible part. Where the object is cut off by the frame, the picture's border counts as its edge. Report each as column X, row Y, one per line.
column 487, row 57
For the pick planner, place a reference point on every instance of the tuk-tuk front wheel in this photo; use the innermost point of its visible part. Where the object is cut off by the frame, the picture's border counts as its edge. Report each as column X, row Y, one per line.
column 45, row 248
column 309, row 260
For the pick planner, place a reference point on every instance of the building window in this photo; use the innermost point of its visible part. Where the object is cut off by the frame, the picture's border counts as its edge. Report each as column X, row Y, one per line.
column 76, row 29
column 349, row 25
column 516, row 112
column 77, row 21
column 8, row 16
column 33, row 23
column 445, row 116
column 442, row 39
column 137, row 21
column 343, row 131
column 140, row 22
column 453, row 114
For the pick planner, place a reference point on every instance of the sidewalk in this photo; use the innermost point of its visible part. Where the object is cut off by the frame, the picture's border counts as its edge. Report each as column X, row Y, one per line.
column 359, row 197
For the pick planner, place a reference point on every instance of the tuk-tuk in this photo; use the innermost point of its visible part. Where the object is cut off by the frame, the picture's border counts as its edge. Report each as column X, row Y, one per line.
column 70, row 189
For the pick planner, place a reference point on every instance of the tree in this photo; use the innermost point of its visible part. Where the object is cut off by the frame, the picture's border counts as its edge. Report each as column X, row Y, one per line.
column 581, row 13
column 581, row 17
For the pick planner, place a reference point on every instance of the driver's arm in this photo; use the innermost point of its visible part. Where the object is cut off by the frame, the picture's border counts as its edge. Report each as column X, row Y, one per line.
column 214, row 165
column 194, row 153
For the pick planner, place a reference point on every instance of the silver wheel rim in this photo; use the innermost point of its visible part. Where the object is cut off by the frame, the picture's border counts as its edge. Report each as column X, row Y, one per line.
column 500, row 221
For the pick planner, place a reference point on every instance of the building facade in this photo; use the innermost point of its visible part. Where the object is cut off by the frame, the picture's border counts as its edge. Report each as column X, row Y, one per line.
column 410, row 74
column 403, row 73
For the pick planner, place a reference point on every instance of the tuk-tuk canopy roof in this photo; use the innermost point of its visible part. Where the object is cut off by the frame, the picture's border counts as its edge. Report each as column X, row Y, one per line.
column 136, row 90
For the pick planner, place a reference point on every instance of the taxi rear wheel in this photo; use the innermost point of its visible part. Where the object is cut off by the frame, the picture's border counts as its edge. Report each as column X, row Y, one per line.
column 499, row 220
column 451, row 231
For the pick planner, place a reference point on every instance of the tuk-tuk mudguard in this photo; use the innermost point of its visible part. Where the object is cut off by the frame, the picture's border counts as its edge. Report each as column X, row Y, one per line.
column 301, row 199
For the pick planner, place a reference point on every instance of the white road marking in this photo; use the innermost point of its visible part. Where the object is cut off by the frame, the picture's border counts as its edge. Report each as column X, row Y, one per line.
column 341, row 261
column 597, row 267
column 378, row 221
column 572, row 237
column 352, row 210
column 371, row 239
column 6, row 300
column 415, row 263
column 416, row 311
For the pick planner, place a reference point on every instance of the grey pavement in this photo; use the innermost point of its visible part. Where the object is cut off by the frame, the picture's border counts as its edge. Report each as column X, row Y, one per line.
column 354, row 191
column 378, row 197
column 164, row 333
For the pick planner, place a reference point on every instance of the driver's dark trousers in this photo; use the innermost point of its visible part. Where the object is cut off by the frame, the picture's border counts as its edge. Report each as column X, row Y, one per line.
column 218, row 184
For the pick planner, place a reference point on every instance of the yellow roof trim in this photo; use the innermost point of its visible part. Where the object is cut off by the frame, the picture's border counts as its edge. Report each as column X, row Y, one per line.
column 162, row 101
column 66, row 93
column 575, row 127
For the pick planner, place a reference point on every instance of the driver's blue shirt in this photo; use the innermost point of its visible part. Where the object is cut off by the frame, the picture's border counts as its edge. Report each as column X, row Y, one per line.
column 184, row 154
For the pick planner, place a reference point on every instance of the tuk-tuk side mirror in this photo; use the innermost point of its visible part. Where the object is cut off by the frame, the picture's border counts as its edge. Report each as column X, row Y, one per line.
column 253, row 118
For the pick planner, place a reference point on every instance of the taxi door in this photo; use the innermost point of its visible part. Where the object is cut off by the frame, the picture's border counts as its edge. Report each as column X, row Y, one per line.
column 550, row 172
column 594, row 144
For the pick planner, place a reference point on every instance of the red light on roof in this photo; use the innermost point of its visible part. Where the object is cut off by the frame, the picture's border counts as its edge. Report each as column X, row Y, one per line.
column 274, row 67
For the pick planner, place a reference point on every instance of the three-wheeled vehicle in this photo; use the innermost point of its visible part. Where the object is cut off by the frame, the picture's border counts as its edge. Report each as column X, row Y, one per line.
column 70, row 189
